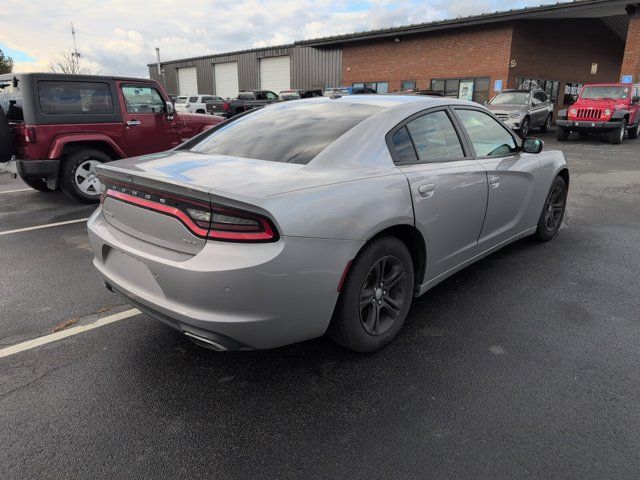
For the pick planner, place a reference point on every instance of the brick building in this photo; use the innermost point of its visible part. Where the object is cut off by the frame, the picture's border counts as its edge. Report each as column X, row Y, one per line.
column 560, row 46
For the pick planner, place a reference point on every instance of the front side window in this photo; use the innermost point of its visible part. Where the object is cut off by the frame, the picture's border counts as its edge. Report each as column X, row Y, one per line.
column 434, row 138
column 488, row 136
column 540, row 96
column 293, row 132
column 140, row 99
column 60, row 97
column 271, row 96
column 181, row 100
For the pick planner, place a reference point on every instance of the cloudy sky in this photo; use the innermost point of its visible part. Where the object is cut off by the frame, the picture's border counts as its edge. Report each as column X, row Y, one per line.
column 120, row 36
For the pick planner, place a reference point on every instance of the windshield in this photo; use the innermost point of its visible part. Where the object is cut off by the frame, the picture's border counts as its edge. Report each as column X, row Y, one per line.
column 613, row 92
column 181, row 100
column 285, row 132
column 511, row 98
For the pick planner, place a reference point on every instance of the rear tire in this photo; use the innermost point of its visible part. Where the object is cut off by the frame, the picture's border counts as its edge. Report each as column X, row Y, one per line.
column 553, row 211
column 562, row 133
column 375, row 298
column 6, row 139
column 616, row 136
column 200, row 111
column 39, row 184
column 77, row 175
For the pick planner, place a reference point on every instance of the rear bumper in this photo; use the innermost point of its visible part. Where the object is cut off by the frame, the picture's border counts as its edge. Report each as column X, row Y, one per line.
column 32, row 168
column 238, row 296
column 587, row 126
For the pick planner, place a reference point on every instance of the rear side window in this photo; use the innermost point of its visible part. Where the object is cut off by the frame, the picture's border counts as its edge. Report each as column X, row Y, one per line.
column 193, row 99
column 435, row 138
column 285, row 132
column 403, row 146
column 68, row 98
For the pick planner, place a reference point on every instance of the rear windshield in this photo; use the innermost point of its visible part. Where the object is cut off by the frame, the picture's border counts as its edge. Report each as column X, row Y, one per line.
column 286, row 132
column 613, row 93
column 11, row 99
column 61, row 97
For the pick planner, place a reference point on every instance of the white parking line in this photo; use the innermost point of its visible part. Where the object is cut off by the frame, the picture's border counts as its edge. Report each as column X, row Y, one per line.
column 38, row 227
column 17, row 190
column 37, row 342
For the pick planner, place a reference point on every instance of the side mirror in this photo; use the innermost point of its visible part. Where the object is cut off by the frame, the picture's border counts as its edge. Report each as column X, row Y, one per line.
column 170, row 108
column 574, row 98
column 532, row 145
column 635, row 100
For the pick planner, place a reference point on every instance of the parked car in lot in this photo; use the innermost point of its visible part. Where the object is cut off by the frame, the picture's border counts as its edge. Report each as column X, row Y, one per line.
column 608, row 108
column 299, row 94
column 58, row 128
column 194, row 103
column 326, row 215
column 347, row 91
column 246, row 101
column 523, row 109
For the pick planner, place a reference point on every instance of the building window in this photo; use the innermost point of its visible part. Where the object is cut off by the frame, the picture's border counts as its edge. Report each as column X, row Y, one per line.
column 472, row 89
column 379, row 87
column 570, row 90
column 407, row 85
column 551, row 87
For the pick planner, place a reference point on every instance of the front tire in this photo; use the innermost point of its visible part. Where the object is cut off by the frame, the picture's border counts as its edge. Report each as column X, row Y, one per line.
column 635, row 131
column 78, row 178
column 524, row 127
column 553, row 211
column 547, row 124
column 616, row 136
column 562, row 133
column 375, row 298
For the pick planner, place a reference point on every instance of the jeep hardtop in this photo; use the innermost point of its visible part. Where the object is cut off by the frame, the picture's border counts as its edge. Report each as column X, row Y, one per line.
column 55, row 128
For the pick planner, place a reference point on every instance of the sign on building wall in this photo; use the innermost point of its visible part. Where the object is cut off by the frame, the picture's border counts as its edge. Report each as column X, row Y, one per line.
column 497, row 86
column 627, row 79
column 465, row 90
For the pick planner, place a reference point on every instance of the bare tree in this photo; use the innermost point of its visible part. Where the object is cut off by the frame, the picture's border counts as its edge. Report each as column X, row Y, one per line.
column 69, row 62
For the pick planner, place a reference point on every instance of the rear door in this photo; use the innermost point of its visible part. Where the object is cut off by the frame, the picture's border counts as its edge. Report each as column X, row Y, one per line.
column 448, row 187
column 511, row 176
column 147, row 127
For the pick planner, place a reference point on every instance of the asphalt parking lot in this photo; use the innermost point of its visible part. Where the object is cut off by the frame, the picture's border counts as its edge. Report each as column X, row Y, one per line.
column 524, row 365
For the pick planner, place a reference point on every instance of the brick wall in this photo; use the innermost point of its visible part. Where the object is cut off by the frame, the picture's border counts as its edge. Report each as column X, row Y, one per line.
column 473, row 52
column 631, row 62
column 564, row 50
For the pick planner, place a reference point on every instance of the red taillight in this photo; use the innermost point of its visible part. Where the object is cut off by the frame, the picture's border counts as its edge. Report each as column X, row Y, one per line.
column 225, row 106
column 202, row 219
column 30, row 134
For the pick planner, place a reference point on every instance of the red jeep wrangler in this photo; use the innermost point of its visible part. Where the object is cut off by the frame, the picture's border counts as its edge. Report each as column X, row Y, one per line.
column 611, row 108
column 55, row 129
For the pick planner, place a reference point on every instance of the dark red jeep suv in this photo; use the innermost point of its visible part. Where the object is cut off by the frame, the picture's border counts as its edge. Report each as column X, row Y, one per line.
column 55, row 129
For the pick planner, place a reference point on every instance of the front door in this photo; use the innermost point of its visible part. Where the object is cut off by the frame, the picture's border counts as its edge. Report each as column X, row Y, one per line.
column 448, row 188
column 147, row 127
column 511, row 177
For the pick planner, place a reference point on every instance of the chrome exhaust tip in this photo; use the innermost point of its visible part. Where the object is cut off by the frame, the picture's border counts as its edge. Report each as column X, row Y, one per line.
column 205, row 342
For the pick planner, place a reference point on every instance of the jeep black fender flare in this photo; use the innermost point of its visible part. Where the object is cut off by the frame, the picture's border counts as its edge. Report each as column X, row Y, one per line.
column 620, row 114
column 6, row 138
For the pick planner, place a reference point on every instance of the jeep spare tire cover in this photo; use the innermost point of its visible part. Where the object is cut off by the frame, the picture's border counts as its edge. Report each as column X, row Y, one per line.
column 6, row 139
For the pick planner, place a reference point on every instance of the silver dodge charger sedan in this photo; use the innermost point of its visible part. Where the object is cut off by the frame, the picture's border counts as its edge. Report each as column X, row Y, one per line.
column 319, row 215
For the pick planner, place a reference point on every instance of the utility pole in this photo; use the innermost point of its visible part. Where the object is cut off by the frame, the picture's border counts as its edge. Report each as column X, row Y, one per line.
column 158, row 61
column 75, row 55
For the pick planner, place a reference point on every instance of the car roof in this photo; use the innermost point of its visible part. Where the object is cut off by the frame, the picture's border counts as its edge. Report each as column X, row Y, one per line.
column 388, row 101
column 68, row 76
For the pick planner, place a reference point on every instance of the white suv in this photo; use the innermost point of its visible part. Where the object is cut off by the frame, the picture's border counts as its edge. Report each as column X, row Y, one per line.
column 194, row 104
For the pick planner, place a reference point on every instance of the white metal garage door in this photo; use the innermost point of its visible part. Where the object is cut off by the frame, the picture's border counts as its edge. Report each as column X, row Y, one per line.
column 226, row 79
column 275, row 74
column 187, row 81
